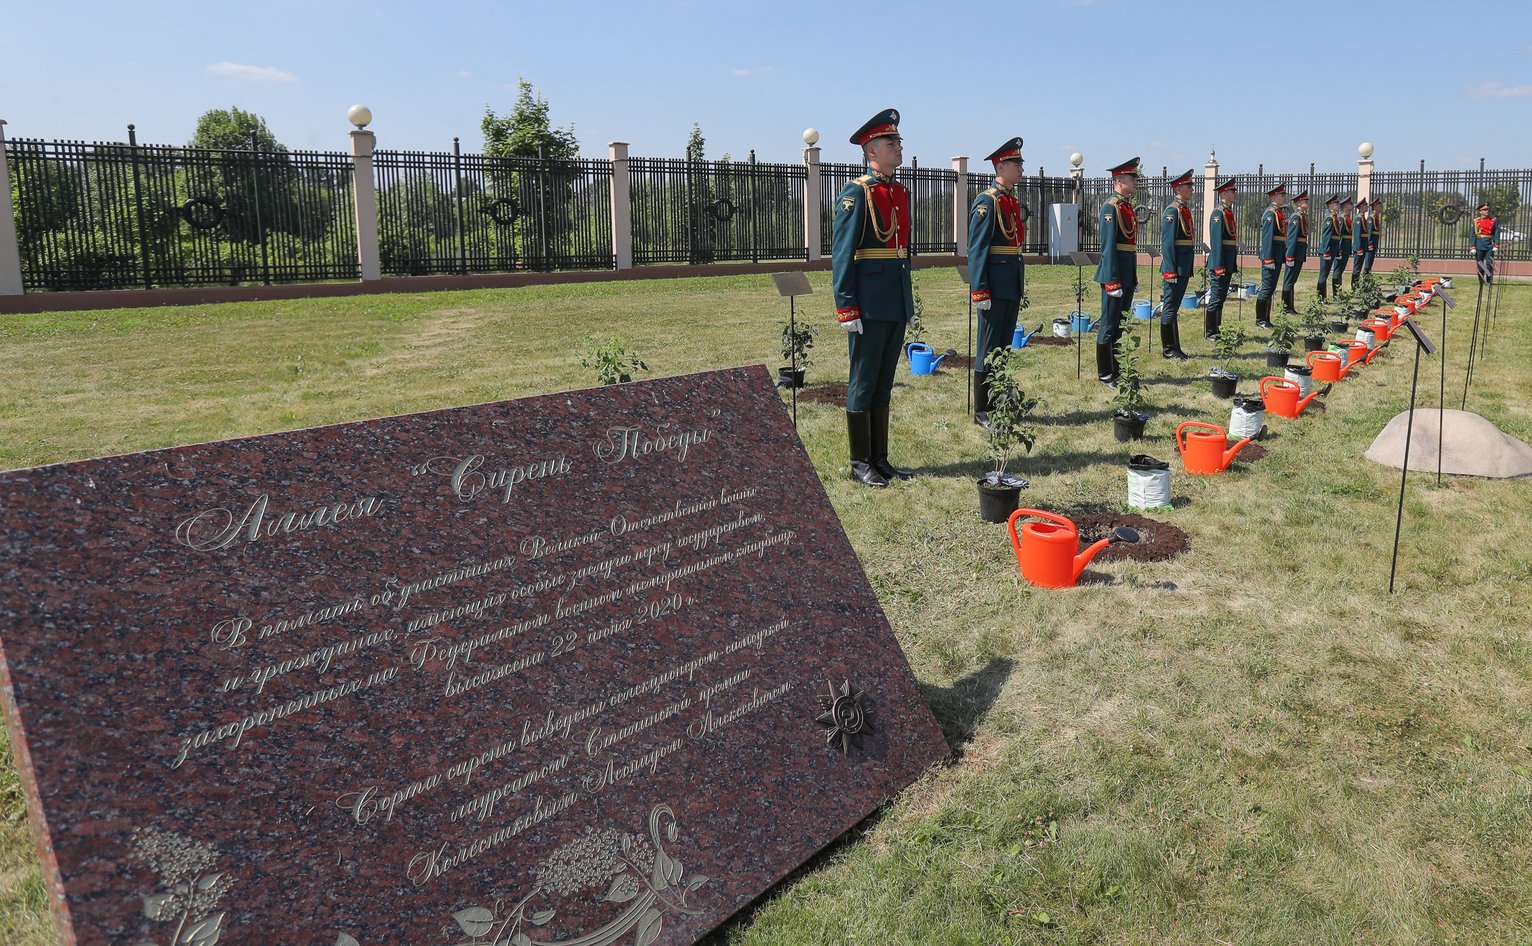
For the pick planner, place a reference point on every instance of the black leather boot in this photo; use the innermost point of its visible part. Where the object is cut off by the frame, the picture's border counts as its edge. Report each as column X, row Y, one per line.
column 1212, row 319
column 1288, row 307
column 1170, row 340
column 981, row 398
column 880, row 447
column 1323, row 291
column 1263, row 312
column 859, row 433
column 1354, row 277
column 1106, row 365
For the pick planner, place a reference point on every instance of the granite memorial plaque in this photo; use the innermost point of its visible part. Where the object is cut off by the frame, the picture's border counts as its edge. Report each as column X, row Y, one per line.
column 587, row 668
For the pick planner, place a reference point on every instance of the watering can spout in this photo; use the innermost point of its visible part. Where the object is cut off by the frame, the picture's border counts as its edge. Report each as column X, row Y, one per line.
column 943, row 357
column 1083, row 559
column 1232, row 452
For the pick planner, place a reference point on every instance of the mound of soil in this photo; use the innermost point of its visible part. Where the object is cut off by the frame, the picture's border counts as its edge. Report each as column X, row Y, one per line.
column 833, row 392
column 1252, row 451
column 1048, row 340
column 1157, row 540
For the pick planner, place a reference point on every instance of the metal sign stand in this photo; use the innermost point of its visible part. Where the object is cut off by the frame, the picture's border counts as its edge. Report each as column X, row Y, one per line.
column 1421, row 343
column 1081, row 260
column 792, row 285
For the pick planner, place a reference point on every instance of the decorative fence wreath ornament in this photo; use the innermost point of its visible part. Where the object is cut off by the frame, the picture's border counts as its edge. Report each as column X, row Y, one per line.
column 722, row 209
column 1450, row 214
column 1141, row 213
column 502, row 210
column 202, row 213
column 1026, row 213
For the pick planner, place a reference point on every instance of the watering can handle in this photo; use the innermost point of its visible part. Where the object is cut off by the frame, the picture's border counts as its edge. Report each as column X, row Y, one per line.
column 1312, row 356
column 1024, row 512
column 908, row 346
column 1269, row 378
column 1181, row 441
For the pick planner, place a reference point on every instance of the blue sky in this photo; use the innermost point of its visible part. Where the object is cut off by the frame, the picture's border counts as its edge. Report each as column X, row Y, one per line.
column 1109, row 78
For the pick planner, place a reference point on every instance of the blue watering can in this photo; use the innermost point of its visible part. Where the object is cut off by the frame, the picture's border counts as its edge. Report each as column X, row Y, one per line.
column 1191, row 300
column 1142, row 309
column 921, row 360
column 1020, row 336
column 1081, row 323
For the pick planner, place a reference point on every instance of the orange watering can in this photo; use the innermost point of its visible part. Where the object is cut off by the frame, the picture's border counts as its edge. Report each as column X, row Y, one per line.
column 1381, row 328
column 1357, row 353
column 1204, row 453
column 1046, row 550
column 1281, row 397
column 1326, row 366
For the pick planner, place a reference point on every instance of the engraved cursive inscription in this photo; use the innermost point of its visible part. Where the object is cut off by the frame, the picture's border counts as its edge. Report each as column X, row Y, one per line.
column 467, row 478
column 627, row 443
column 214, row 529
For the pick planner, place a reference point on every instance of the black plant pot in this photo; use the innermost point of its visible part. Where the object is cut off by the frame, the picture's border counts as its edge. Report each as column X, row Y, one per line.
column 1276, row 359
column 998, row 499
column 789, row 378
column 1223, row 384
column 1127, row 427
column 1340, row 325
column 1313, row 343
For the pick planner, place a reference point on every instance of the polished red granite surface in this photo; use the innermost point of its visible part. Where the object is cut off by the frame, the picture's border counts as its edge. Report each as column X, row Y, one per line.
column 587, row 668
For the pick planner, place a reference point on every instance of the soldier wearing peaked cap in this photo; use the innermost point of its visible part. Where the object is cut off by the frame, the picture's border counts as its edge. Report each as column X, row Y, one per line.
column 1273, row 252
column 1118, row 271
column 1343, row 244
column 1223, row 257
column 1329, row 242
column 1178, row 241
column 874, row 298
column 996, row 271
column 1486, row 243
column 1361, row 234
column 1297, row 249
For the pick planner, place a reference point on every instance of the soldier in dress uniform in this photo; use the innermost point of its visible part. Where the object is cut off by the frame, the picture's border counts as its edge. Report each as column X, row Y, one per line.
column 1343, row 243
column 996, row 271
column 874, row 298
column 1118, row 270
column 1273, row 252
column 1223, row 257
column 1486, row 243
column 1297, row 249
column 1178, row 240
column 1374, row 234
column 1361, row 233
column 1329, row 243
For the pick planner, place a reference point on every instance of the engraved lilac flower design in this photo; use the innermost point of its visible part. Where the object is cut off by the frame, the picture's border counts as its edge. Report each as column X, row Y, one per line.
column 189, row 892
column 635, row 871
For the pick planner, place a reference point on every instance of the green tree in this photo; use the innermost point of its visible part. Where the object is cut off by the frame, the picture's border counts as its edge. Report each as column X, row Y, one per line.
column 526, row 131
column 230, row 130
column 695, row 144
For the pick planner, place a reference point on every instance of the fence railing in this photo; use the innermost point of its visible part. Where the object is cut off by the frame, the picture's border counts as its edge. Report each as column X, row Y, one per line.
column 109, row 215
column 716, row 211
column 115, row 215
column 449, row 212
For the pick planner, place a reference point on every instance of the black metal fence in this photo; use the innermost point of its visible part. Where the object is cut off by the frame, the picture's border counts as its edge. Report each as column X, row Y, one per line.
column 448, row 212
column 716, row 211
column 112, row 215
column 93, row 215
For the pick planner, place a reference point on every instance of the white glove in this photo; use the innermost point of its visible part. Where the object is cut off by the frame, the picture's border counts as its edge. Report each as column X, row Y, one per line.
column 1115, row 293
column 855, row 325
column 982, row 306
column 1268, row 265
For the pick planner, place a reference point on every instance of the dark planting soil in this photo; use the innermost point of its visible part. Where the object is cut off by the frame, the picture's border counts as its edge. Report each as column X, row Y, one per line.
column 1252, row 451
column 833, row 392
column 1157, row 541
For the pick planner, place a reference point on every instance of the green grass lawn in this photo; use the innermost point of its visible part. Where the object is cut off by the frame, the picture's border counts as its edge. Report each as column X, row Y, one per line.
column 1252, row 743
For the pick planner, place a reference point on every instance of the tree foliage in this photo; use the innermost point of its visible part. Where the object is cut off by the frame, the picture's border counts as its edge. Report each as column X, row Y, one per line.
column 696, row 145
column 230, row 129
column 526, row 132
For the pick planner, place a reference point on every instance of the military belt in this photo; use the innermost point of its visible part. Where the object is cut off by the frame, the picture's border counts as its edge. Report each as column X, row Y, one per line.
column 1127, row 247
column 1303, row 239
column 1006, row 250
column 883, row 252
column 1186, row 243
